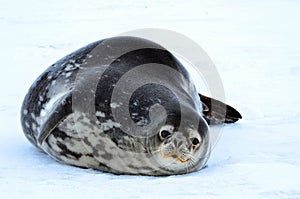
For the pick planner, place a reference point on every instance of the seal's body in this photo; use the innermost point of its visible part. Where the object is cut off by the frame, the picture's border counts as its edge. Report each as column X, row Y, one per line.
column 123, row 105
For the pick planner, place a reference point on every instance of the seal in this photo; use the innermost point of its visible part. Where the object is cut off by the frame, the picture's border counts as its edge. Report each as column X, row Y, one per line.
column 123, row 105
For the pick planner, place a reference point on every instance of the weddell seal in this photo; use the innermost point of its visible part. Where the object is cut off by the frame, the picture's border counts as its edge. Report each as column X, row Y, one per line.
column 123, row 105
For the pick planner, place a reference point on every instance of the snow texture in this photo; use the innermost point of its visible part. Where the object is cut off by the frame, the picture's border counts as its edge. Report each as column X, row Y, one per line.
column 255, row 46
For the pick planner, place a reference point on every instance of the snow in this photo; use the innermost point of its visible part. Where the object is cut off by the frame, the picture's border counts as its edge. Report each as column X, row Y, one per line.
column 255, row 46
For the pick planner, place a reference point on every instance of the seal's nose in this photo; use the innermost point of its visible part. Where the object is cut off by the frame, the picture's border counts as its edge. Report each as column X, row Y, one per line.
column 177, row 143
column 178, row 139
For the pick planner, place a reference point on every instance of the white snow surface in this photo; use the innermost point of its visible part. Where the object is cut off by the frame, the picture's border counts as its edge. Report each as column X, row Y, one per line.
column 256, row 48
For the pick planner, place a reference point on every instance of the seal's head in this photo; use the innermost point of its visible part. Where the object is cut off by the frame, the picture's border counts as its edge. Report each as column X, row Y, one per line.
column 182, row 149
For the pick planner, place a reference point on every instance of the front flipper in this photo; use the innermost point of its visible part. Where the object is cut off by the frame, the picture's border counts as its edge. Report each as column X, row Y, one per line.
column 59, row 111
column 216, row 114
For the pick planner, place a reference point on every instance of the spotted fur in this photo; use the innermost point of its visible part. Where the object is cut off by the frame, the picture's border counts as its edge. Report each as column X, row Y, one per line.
column 73, row 136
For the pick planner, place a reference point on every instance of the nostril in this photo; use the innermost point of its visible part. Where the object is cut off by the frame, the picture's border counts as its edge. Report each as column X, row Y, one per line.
column 175, row 143
column 180, row 143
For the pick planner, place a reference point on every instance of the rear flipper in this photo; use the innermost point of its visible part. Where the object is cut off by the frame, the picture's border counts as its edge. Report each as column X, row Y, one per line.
column 216, row 112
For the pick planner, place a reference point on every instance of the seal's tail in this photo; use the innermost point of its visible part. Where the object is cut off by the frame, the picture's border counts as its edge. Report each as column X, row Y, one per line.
column 216, row 112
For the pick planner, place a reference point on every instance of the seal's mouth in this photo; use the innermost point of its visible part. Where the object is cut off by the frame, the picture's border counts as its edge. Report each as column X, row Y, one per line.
column 176, row 157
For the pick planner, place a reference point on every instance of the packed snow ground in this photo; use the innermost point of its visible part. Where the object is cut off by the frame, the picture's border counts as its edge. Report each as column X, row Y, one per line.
column 255, row 46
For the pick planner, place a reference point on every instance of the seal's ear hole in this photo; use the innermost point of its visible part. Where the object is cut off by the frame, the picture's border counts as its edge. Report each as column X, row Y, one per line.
column 164, row 134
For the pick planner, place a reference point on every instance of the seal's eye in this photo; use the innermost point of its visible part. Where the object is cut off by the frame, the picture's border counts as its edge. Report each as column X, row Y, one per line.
column 164, row 134
column 195, row 141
